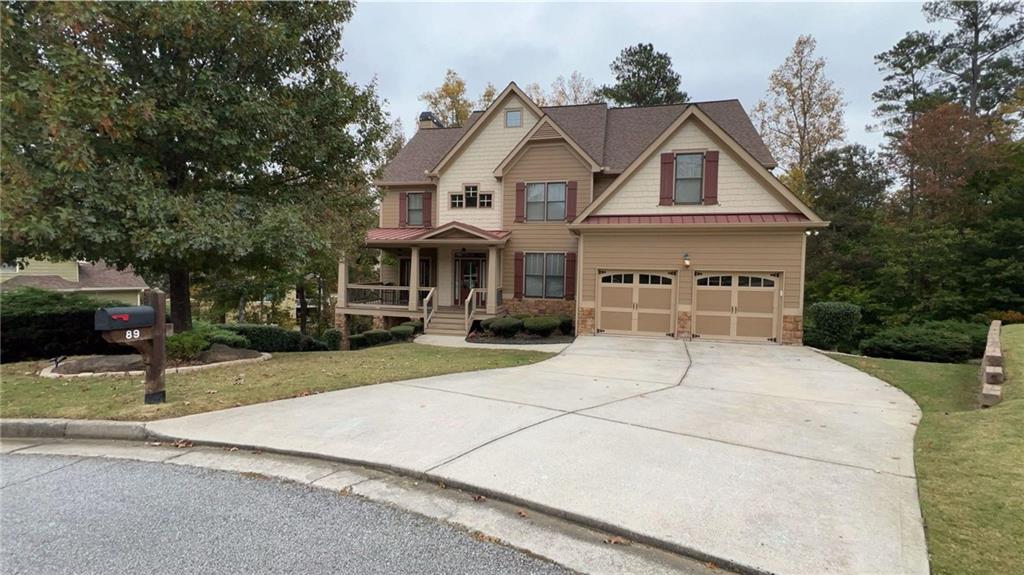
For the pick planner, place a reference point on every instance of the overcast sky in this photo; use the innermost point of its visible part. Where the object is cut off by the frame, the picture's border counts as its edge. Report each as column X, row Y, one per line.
column 721, row 50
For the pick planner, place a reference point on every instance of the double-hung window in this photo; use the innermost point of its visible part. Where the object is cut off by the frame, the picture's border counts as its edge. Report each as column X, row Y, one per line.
column 689, row 178
column 414, row 209
column 545, row 275
column 545, row 201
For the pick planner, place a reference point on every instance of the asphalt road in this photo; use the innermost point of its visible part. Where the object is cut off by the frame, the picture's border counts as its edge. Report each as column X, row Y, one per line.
column 75, row 515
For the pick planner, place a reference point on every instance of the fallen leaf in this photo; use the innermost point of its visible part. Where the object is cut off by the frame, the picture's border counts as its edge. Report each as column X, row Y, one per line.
column 521, row 513
column 182, row 443
column 479, row 498
column 616, row 540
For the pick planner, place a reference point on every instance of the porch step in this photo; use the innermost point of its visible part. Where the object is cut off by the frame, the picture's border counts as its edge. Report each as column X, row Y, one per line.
column 439, row 331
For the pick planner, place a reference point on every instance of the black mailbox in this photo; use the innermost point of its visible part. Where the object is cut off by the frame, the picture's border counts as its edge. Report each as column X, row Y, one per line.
column 114, row 318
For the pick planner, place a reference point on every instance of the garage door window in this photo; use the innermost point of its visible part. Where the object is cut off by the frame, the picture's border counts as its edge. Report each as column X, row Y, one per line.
column 617, row 279
column 545, row 275
column 756, row 281
column 723, row 281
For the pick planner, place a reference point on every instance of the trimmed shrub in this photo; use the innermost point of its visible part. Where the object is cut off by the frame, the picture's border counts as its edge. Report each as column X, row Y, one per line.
column 268, row 338
column 377, row 336
column 403, row 332
column 977, row 332
column 919, row 343
column 332, row 338
column 566, row 324
column 485, row 324
column 357, row 341
column 417, row 325
column 217, row 333
column 310, row 343
column 506, row 326
column 522, row 315
column 40, row 324
column 187, row 346
column 833, row 322
column 542, row 325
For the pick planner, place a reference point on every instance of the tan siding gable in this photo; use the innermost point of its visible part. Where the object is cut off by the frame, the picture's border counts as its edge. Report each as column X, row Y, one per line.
column 541, row 162
column 476, row 162
column 739, row 189
column 64, row 269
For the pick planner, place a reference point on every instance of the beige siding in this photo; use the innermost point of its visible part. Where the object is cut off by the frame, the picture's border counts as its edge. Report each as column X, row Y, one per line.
column 739, row 189
column 127, row 297
column 65, row 269
column 545, row 132
column 476, row 162
column 389, row 204
column 662, row 250
column 541, row 162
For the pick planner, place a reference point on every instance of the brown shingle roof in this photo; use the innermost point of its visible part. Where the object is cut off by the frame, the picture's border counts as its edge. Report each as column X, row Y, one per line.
column 613, row 137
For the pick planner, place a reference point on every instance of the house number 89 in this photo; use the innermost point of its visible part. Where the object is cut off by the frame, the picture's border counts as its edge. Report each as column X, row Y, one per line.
column 132, row 334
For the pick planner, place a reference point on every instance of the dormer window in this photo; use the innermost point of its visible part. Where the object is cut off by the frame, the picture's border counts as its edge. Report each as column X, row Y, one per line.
column 513, row 118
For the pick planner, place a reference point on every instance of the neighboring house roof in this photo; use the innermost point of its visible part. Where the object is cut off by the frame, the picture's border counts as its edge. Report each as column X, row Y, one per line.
column 98, row 276
column 699, row 219
column 613, row 137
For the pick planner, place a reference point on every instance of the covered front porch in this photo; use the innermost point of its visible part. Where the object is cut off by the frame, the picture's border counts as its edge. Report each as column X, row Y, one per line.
column 437, row 275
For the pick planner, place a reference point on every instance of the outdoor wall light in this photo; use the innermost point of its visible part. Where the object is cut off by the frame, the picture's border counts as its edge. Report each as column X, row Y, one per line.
column 812, row 233
column 686, row 259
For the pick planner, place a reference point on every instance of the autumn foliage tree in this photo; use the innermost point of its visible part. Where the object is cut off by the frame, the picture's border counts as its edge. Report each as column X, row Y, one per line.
column 183, row 138
column 448, row 102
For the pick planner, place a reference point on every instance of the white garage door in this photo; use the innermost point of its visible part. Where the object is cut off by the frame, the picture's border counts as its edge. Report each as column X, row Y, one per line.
column 636, row 303
column 736, row 305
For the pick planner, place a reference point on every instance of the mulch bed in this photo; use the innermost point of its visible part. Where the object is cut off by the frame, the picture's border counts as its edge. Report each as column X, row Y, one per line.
column 520, row 339
column 121, row 363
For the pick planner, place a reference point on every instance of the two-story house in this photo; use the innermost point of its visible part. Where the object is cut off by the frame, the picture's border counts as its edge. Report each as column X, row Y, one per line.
column 663, row 221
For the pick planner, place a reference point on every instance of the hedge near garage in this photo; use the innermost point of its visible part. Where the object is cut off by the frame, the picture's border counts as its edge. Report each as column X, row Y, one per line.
column 41, row 324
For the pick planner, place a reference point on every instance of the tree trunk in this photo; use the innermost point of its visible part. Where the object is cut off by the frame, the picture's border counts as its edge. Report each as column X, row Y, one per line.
column 300, row 307
column 181, row 300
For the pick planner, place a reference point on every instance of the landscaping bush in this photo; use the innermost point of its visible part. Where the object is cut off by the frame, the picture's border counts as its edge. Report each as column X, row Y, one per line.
column 403, row 332
column 416, row 325
column 542, row 325
column 332, row 338
column 522, row 316
column 377, row 336
column 506, row 326
column 268, row 338
column 833, row 322
column 40, row 324
column 919, row 343
column 186, row 346
column 310, row 343
column 977, row 332
column 486, row 323
column 565, row 324
column 357, row 341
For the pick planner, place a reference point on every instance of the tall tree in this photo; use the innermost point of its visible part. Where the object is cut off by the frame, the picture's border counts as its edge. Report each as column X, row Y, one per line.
column 578, row 89
column 487, row 96
column 802, row 114
column 183, row 137
column 983, row 57
column 448, row 102
column 644, row 77
column 537, row 94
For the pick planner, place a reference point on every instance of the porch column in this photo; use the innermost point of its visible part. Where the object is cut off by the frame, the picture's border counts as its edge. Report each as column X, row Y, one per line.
column 342, row 282
column 492, row 280
column 414, row 277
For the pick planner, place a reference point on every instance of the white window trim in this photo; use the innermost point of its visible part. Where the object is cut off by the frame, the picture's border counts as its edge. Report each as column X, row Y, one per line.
column 505, row 117
column 675, row 180
column 526, row 200
column 422, row 209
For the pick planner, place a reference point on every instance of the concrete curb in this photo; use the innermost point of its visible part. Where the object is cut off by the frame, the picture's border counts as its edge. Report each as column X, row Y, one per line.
column 129, row 430
column 48, row 372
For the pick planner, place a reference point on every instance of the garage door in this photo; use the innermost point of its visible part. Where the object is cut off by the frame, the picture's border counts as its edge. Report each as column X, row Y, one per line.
column 636, row 303
column 736, row 305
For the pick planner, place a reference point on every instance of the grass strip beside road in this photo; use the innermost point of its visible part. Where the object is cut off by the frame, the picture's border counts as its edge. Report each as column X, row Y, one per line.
column 25, row 394
column 970, row 461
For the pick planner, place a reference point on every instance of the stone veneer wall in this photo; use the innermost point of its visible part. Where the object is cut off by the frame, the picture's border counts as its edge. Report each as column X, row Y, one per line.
column 540, row 306
column 792, row 329
column 585, row 322
column 341, row 324
column 683, row 324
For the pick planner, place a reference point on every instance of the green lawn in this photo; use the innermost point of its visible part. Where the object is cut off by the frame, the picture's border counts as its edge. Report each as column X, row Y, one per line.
column 24, row 394
column 970, row 461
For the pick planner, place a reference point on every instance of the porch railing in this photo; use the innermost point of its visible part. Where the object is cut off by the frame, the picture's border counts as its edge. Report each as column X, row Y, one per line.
column 429, row 307
column 472, row 300
column 384, row 296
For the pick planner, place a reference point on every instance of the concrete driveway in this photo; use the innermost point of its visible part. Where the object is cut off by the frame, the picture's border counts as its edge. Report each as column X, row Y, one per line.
column 774, row 459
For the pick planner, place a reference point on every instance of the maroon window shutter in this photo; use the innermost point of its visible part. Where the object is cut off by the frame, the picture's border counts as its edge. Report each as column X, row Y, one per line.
column 401, row 209
column 668, row 173
column 428, row 209
column 520, row 202
column 519, row 276
column 711, row 177
column 570, row 275
column 570, row 201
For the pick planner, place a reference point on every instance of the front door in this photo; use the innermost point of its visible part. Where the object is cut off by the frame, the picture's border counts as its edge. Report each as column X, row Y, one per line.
column 469, row 274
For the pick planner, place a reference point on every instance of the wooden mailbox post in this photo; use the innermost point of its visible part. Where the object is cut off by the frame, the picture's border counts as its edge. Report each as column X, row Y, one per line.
column 144, row 328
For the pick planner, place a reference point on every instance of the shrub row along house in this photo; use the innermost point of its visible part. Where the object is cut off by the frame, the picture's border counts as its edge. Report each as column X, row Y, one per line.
column 658, row 220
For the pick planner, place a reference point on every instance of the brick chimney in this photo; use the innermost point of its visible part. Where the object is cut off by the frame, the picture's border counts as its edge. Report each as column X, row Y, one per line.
column 428, row 121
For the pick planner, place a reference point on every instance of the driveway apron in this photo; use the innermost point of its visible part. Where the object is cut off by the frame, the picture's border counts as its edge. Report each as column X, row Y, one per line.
column 776, row 459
